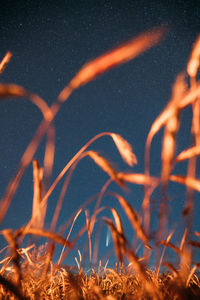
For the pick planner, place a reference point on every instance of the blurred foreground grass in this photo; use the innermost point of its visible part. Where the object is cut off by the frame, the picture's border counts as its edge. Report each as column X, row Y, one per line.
column 29, row 272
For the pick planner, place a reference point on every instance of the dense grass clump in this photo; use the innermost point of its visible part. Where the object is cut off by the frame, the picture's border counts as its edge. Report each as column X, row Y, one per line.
column 100, row 283
column 29, row 271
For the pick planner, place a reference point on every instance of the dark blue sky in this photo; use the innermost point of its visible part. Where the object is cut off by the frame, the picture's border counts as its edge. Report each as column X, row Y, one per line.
column 50, row 41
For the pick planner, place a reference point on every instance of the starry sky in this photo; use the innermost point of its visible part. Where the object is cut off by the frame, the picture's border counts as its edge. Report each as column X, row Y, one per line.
column 50, row 41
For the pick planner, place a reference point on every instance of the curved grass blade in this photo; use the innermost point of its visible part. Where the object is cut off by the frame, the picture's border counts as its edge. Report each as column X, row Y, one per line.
column 118, row 239
column 5, row 61
column 38, row 210
column 105, row 165
column 44, row 233
column 188, row 153
column 133, row 218
column 119, row 55
column 189, row 182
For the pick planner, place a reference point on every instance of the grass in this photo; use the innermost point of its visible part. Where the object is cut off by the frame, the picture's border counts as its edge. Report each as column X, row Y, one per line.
column 29, row 272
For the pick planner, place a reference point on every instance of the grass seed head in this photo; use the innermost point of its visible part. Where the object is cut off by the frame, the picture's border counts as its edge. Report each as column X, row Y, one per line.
column 125, row 149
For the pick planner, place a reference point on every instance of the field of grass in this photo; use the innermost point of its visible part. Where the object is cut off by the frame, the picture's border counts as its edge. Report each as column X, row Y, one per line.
column 30, row 272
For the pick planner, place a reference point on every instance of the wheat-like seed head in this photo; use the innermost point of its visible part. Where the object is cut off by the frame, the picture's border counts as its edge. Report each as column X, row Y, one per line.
column 105, row 166
column 117, row 56
column 124, row 149
column 118, row 239
column 188, row 153
column 118, row 221
column 188, row 181
column 133, row 218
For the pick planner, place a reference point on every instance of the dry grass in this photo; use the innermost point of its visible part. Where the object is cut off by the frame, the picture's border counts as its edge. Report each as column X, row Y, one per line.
column 29, row 272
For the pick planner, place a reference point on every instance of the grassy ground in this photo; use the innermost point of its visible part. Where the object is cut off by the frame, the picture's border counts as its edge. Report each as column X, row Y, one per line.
column 104, row 283
column 28, row 272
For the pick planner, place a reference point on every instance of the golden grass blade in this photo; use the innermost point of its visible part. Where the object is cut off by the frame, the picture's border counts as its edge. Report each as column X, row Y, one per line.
column 169, row 236
column 139, row 179
column 192, row 271
column 125, row 149
column 79, row 262
column 5, row 61
column 159, row 123
column 117, row 56
column 73, row 222
column 188, row 153
column 169, row 146
column 49, row 156
column 133, row 218
column 89, row 234
column 4, row 260
column 12, row 91
column 118, row 221
column 118, row 240
column 44, row 233
column 170, row 245
column 80, row 256
column 171, row 127
column 194, row 60
column 105, row 165
column 183, row 240
column 38, row 210
column 197, row 234
column 163, row 252
column 73, row 242
column 172, row 268
column 189, row 182
column 78, row 265
column 168, row 114
column 195, row 130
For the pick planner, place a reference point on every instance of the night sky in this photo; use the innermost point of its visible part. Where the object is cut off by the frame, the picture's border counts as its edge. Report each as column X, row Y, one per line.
column 50, row 41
